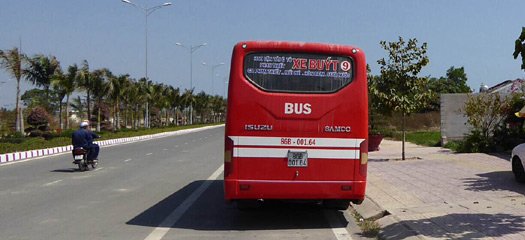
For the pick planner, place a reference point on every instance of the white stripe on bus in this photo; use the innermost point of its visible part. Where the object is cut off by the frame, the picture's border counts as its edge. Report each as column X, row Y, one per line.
column 276, row 141
column 283, row 153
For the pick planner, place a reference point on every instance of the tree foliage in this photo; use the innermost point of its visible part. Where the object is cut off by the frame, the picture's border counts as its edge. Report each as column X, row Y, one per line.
column 399, row 88
column 519, row 48
column 494, row 126
column 13, row 61
column 455, row 81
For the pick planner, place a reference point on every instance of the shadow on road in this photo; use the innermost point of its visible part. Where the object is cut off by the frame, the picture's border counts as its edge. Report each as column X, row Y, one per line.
column 460, row 226
column 494, row 181
column 211, row 212
column 66, row 170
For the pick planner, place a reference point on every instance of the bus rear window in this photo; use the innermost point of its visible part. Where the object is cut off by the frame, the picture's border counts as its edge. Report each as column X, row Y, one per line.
column 298, row 72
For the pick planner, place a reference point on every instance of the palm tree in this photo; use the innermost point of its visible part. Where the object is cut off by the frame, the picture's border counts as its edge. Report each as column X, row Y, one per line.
column 69, row 84
column 115, row 88
column 202, row 101
column 218, row 105
column 12, row 61
column 79, row 106
column 41, row 70
column 146, row 88
column 56, row 83
column 187, row 99
column 99, row 87
column 174, row 101
column 84, row 82
column 127, row 98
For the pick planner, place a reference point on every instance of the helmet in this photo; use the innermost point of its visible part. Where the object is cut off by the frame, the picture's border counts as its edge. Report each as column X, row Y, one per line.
column 84, row 124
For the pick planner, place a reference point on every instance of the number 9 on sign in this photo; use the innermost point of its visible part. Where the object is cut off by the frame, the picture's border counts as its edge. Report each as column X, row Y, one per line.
column 346, row 66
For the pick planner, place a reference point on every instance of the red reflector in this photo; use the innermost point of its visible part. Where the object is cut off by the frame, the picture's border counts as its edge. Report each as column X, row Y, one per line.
column 244, row 187
column 346, row 188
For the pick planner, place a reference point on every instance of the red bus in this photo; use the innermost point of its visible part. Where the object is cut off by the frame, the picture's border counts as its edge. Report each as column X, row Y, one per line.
column 297, row 124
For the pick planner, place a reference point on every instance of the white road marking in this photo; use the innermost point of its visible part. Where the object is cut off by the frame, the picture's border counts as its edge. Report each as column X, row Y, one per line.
column 127, row 160
column 147, row 154
column 340, row 232
column 99, row 168
column 51, row 183
column 159, row 232
column 165, row 149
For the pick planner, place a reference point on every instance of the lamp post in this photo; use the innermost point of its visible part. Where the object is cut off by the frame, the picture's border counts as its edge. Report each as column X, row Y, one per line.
column 147, row 11
column 213, row 67
column 191, row 49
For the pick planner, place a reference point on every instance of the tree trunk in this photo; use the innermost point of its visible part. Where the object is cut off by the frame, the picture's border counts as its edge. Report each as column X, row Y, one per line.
column 88, row 100
column 117, row 127
column 67, row 111
column 18, row 119
column 404, row 136
column 60, row 123
column 98, row 118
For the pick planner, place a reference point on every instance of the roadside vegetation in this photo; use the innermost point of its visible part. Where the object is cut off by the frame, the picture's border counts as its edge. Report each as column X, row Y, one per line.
column 20, row 143
column 115, row 105
column 405, row 106
column 402, row 104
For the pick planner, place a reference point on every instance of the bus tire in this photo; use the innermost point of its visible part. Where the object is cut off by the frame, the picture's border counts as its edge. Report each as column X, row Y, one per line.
column 336, row 204
column 245, row 204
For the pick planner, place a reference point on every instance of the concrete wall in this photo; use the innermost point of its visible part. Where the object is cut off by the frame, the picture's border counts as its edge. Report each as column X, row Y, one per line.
column 453, row 121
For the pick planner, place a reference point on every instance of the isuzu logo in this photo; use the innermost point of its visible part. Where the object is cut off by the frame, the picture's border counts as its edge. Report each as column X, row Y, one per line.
column 297, row 108
column 255, row 127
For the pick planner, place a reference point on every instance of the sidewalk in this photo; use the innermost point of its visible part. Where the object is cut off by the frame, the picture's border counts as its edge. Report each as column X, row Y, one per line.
column 437, row 194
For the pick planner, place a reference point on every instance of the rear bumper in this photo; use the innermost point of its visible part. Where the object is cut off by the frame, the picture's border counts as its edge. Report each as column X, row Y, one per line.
column 271, row 189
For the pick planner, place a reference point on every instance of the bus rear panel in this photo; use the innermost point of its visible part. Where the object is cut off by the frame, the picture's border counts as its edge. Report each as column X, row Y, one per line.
column 297, row 122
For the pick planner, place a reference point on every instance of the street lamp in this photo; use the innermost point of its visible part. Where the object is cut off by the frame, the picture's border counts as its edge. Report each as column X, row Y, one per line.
column 213, row 67
column 147, row 11
column 191, row 49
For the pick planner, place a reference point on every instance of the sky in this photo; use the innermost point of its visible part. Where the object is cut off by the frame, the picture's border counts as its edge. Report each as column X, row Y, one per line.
column 478, row 35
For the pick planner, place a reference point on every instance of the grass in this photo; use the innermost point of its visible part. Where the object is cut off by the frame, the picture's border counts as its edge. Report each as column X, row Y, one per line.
column 423, row 138
column 369, row 227
column 8, row 145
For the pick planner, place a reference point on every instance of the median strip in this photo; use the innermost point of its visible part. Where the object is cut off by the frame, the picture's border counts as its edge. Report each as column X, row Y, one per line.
column 25, row 155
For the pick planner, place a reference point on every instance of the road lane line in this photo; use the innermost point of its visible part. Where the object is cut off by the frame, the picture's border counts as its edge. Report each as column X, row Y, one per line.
column 147, row 154
column 127, row 160
column 159, row 232
column 340, row 232
column 51, row 183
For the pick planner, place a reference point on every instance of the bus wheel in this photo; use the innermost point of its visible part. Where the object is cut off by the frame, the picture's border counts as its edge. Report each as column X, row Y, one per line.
column 245, row 205
column 336, row 204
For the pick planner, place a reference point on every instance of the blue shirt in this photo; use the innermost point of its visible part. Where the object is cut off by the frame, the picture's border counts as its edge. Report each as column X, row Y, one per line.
column 83, row 138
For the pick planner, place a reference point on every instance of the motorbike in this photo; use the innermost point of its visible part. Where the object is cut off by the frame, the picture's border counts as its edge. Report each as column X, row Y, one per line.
column 80, row 159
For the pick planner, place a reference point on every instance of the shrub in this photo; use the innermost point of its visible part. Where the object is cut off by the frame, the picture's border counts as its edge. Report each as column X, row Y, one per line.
column 38, row 116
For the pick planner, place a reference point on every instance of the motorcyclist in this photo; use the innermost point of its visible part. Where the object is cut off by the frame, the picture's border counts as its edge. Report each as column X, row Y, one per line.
column 83, row 138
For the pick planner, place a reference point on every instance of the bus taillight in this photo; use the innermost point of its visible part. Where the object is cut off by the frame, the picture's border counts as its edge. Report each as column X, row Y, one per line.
column 363, row 149
column 228, row 156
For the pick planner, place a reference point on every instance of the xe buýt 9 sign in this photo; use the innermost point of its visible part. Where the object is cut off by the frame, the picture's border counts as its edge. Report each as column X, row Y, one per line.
column 298, row 72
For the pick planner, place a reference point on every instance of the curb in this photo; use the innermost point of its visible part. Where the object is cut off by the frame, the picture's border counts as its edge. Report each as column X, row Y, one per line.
column 16, row 156
column 391, row 226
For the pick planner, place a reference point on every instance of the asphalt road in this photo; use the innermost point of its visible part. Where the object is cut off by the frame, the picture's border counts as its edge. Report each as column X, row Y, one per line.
column 166, row 188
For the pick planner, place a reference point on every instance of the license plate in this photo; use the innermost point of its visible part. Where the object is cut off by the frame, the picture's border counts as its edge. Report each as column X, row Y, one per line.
column 79, row 157
column 297, row 159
